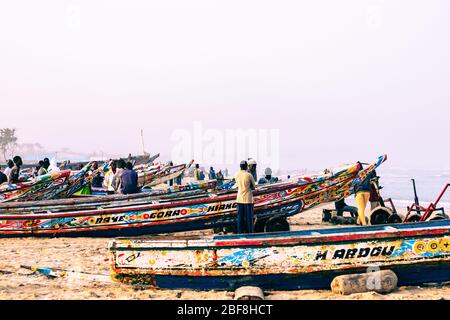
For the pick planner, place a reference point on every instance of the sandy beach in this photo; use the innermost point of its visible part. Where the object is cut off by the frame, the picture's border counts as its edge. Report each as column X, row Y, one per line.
column 90, row 255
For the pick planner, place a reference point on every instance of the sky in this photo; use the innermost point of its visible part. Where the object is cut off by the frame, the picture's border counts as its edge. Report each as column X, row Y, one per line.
column 333, row 81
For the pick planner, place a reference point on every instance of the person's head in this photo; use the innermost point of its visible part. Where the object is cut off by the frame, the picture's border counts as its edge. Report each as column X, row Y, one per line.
column 113, row 165
column 197, row 166
column 360, row 166
column 10, row 163
column 121, row 164
column 252, row 164
column 129, row 166
column 268, row 172
column 243, row 165
column 46, row 163
column 40, row 163
column 94, row 165
column 18, row 160
column 211, row 168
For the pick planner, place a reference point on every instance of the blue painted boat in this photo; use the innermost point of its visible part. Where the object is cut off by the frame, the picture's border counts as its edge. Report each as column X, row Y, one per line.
column 417, row 252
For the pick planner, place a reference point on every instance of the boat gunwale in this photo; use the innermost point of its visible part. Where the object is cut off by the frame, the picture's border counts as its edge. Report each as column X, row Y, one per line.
column 211, row 243
column 150, row 206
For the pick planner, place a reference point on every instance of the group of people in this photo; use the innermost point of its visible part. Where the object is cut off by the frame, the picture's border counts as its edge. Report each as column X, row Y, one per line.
column 220, row 177
column 212, row 175
column 120, row 177
column 11, row 173
column 245, row 180
column 42, row 168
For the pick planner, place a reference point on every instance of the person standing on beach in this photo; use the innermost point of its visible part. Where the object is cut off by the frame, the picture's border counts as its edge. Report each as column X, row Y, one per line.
column 3, row 177
column 362, row 196
column 245, row 184
column 212, row 174
column 44, row 168
column 374, row 198
column 252, row 168
column 117, row 177
column 109, row 175
column 170, row 182
column 13, row 176
column 197, row 173
column 219, row 178
column 129, row 180
column 268, row 177
column 9, row 166
column 37, row 168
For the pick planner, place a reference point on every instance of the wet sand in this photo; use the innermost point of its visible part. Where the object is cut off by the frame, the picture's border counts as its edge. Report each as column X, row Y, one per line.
column 90, row 255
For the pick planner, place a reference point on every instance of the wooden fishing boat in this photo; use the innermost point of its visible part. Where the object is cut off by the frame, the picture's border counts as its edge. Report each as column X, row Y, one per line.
column 161, row 175
column 417, row 252
column 55, row 185
column 272, row 202
column 70, row 204
column 30, row 189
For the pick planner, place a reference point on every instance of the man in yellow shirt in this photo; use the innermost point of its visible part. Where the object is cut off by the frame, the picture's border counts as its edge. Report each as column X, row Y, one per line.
column 245, row 184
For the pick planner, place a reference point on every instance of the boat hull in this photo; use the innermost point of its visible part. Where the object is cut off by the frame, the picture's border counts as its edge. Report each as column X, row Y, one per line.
column 408, row 275
column 418, row 253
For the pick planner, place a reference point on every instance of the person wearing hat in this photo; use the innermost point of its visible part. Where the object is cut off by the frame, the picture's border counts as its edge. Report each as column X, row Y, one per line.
column 268, row 177
column 245, row 184
column 252, row 168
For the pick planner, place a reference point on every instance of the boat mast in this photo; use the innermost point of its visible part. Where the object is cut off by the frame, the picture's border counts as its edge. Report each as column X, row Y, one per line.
column 142, row 139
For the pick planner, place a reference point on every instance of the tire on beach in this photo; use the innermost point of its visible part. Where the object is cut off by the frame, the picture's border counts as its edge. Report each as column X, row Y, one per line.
column 276, row 225
column 413, row 218
column 225, row 230
column 395, row 218
column 380, row 215
column 437, row 216
column 259, row 225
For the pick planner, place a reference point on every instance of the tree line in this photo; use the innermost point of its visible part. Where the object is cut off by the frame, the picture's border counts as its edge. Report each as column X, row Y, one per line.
column 8, row 142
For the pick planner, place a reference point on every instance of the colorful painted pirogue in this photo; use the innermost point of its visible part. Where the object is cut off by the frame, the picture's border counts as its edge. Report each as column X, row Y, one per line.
column 31, row 189
column 161, row 174
column 190, row 190
column 55, row 185
column 418, row 253
column 215, row 210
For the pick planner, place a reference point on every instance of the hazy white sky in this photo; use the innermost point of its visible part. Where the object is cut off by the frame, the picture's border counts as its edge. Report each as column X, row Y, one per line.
column 341, row 80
